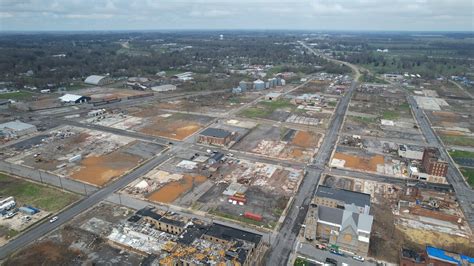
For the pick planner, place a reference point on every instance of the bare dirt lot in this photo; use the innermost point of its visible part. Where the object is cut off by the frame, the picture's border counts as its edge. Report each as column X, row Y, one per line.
column 88, row 155
column 280, row 142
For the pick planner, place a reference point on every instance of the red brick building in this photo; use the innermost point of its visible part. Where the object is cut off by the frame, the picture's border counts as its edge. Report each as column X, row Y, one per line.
column 432, row 164
column 215, row 136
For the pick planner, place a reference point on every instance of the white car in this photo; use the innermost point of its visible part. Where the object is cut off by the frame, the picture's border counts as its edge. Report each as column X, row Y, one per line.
column 358, row 258
column 54, row 219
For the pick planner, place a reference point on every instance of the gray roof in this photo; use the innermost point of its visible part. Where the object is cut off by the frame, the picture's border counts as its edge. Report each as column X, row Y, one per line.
column 94, row 79
column 16, row 125
column 346, row 218
column 347, row 196
column 215, row 132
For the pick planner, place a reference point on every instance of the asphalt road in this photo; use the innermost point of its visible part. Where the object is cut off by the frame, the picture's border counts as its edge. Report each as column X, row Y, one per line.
column 313, row 253
column 464, row 193
column 42, row 229
column 284, row 241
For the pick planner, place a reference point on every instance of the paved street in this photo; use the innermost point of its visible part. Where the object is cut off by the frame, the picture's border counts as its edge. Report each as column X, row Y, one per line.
column 285, row 239
column 464, row 193
column 313, row 253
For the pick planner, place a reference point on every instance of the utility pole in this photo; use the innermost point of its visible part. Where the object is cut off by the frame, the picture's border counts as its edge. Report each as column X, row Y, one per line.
column 41, row 178
column 60, row 182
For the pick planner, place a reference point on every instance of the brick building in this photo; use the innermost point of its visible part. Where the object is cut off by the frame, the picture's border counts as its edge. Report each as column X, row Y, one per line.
column 432, row 256
column 215, row 136
column 432, row 164
column 342, row 199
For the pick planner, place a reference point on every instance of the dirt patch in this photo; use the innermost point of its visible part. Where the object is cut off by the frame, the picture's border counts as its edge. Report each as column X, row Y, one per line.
column 45, row 253
column 449, row 242
column 171, row 191
column 451, row 133
column 99, row 170
column 361, row 163
column 306, row 139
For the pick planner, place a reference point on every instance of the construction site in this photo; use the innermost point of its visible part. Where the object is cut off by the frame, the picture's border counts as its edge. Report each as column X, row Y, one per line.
column 412, row 215
column 220, row 185
column 87, row 155
column 281, row 142
column 381, row 111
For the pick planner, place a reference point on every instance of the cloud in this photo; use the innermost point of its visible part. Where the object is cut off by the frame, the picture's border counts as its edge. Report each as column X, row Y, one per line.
column 231, row 14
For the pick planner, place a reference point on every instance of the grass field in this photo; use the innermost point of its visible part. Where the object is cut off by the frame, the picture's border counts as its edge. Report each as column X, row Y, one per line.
column 266, row 108
column 458, row 140
column 364, row 120
column 390, row 115
column 468, row 173
column 19, row 95
column 461, row 154
column 301, row 262
column 36, row 195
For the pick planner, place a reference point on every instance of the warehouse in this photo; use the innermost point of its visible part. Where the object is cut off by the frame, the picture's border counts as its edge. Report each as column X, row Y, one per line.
column 164, row 88
column 215, row 136
column 98, row 80
column 73, row 98
column 16, row 128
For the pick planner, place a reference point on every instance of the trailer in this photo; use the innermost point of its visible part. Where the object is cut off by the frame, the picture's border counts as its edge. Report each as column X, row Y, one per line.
column 253, row 216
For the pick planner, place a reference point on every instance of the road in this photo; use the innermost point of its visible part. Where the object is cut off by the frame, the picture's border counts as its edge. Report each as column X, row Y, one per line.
column 80, row 207
column 464, row 193
column 309, row 251
column 284, row 241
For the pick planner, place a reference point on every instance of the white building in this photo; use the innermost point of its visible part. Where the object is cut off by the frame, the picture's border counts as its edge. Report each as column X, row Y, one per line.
column 98, row 80
column 163, row 88
column 16, row 129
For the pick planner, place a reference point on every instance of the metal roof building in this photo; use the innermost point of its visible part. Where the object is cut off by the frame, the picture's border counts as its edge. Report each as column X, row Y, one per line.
column 16, row 129
column 74, row 98
column 98, row 80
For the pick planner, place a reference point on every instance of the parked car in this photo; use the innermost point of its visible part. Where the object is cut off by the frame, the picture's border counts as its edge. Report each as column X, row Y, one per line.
column 321, row 246
column 54, row 219
column 331, row 261
column 333, row 251
column 359, row 258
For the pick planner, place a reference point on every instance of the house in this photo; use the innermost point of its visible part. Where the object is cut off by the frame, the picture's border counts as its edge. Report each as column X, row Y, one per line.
column 342, row 199
column 215, row 136
column 16, row 129
column 74, row 99
column 98, row 80
column 432, row 164
column 344, row 229
column 216, row 157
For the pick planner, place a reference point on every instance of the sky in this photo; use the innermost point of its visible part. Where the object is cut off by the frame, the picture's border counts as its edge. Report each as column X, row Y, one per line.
column 383, row 15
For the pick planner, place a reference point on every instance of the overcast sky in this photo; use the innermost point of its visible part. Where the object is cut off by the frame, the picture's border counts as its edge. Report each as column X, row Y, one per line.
column 438, row 15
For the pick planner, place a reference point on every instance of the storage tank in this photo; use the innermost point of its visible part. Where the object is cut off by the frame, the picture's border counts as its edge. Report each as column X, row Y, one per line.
column 259, row 84
column 243, row 85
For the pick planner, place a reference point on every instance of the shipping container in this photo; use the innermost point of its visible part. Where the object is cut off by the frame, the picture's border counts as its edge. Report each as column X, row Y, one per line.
column 253, row 216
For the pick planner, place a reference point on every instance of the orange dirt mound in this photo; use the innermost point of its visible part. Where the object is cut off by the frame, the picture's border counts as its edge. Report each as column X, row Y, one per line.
column 99, row 170
column 171, row 191
column 361, row 163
